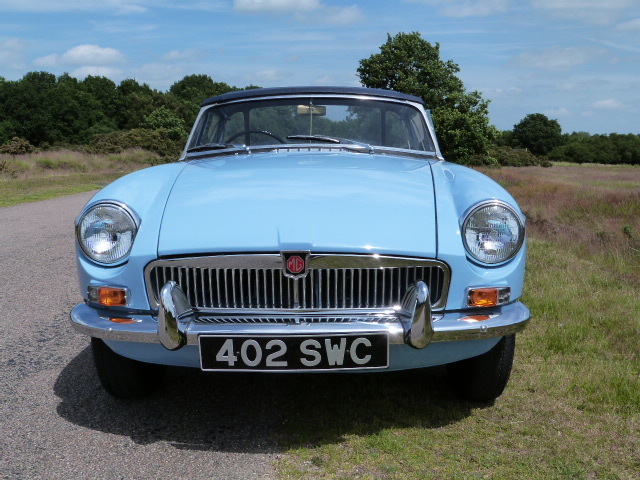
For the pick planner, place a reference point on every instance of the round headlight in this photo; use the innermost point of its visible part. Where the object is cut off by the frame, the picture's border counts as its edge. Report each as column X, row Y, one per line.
column 492, row 232
column 106, row 232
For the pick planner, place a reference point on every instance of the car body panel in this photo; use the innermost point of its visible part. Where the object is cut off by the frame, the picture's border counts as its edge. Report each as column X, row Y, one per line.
column 456, row 189
column 321, row 202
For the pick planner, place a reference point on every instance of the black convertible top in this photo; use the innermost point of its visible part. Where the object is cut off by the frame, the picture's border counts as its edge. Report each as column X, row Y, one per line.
column 278, row 91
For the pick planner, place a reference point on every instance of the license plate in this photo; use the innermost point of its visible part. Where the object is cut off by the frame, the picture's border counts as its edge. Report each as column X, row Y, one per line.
column 294, row 352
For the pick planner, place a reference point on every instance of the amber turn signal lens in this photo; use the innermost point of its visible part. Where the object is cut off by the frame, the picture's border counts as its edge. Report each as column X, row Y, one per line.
column 112, row 297
column 483, row 297
column 476, row 318
column 123, row 321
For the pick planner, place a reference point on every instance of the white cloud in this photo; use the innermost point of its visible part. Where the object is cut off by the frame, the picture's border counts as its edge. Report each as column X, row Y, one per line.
column 39, row 6
column 597, row 12
column 342, row 15
column 12, row 53
column 468, row 8
column 557, row 112
column 269, row 76
column 608, row 104
column 98, row 71
column 276, row 6
column 181, row 55
column 126, row 26
column 160, row 75
column 82, row 55
column 48, row 61
column 558, row 57
column 306, row 10
column 629, row 26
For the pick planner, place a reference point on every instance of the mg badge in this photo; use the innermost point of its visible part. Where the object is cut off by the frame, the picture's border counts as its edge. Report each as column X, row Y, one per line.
column 296, row 264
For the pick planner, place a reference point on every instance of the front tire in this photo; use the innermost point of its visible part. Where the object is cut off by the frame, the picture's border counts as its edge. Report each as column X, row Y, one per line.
column 123, row 377
column 484, row 378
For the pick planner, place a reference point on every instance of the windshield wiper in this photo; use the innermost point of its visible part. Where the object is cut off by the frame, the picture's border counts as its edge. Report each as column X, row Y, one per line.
column 343, row 141
column 212, row 146
column 317, row 138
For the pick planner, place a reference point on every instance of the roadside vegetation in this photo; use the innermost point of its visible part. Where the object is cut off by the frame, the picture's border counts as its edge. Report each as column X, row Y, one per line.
column 572, row 407
column 29, row 177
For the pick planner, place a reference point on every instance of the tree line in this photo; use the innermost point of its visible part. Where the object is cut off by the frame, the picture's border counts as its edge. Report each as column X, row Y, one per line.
column 47, row 111
column 50, row 111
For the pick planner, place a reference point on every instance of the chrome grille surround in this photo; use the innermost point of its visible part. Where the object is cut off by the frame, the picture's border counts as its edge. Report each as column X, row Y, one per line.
column 252, row 287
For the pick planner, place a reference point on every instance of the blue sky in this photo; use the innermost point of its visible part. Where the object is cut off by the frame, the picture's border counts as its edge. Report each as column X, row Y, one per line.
column 577, row 61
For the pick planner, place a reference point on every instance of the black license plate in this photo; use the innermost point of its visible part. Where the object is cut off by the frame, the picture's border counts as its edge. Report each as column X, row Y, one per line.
column 294, row 352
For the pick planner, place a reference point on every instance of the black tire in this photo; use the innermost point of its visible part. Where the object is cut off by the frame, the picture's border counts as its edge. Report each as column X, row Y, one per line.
column 484, row 378
column 122, row 377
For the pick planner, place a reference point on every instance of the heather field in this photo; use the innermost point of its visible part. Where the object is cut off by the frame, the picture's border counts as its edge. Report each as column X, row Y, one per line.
column 592, row 211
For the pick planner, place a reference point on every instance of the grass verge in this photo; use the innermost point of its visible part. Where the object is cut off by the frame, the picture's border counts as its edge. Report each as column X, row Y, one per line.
column 44, row 175
column 13, row 192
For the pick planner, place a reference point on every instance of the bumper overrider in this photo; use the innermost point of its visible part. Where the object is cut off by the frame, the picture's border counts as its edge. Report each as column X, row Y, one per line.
column 178, row 324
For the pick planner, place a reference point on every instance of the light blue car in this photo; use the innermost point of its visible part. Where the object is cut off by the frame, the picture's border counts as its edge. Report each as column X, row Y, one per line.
column 304, row 229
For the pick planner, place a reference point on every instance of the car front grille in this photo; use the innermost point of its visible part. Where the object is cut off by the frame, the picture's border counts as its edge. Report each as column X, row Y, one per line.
column 334, row 282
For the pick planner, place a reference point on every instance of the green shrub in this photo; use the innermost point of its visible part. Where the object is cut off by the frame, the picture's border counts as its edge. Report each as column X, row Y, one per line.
column 163, row 118
column 157, row 141
column 509, row 157
column 17, row 146
column 606, row 149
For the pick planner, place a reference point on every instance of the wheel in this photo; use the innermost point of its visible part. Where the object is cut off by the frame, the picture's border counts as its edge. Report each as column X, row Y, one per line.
column 484, row 378
column 122, row 377
column 263, row 132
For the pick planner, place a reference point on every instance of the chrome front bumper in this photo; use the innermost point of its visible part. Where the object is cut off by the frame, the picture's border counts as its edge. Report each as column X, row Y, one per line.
column 414, row 324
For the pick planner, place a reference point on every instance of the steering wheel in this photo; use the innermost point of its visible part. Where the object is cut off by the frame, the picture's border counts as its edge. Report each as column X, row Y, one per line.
column 263, row 132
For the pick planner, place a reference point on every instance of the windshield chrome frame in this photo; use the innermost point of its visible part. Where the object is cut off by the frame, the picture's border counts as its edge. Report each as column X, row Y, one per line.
column 344, row 146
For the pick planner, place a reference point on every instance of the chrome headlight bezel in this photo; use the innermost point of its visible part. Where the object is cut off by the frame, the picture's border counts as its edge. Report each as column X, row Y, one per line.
column 131, row 224
column 504, row 209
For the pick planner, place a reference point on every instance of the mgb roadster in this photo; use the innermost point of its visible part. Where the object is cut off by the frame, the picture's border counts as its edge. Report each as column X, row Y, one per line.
column 303, row 229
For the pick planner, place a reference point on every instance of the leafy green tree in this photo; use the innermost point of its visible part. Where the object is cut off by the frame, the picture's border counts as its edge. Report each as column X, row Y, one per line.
column 608, row 149
column 164, row 118
column 135, row 101
column 107, row 95
column 28, row 104
column 45, row 110
column 407, row 63
column 537, row 133
column 191, row 91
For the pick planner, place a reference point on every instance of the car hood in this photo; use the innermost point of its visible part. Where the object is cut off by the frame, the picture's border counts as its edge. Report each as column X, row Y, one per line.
column 322, row 202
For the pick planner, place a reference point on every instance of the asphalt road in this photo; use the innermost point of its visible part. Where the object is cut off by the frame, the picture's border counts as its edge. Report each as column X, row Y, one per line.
column 57, row 422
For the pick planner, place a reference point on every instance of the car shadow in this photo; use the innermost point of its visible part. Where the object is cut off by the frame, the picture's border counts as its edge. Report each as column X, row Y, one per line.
column 259, row 413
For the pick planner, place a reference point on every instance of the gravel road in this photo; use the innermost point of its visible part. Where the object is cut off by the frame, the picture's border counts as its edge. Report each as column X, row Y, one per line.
column 58, row 423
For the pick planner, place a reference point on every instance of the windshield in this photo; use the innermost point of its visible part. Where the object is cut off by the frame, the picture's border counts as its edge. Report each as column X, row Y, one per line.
column 308, row 120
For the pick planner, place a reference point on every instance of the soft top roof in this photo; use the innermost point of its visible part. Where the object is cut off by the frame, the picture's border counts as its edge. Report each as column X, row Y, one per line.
column 279, row 91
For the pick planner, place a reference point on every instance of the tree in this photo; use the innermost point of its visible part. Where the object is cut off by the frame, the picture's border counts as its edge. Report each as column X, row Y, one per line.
column 537, row 133
column 107, row 95
column 191, row 91
column 135, row 101
column 407, row 63
column 163, row 118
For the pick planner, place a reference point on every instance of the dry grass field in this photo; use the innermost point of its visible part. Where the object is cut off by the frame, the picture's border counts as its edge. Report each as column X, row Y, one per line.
column 42, row 175
column 592, row 210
